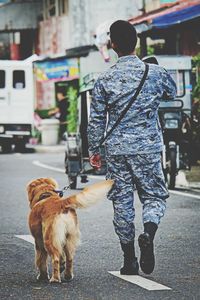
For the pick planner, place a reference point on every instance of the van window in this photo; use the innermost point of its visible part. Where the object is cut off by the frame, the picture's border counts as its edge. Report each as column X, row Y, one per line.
column 18, row 79
column 2, row 79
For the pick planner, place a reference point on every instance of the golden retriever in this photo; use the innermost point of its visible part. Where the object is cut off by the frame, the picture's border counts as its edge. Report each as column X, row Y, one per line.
column 54, row 225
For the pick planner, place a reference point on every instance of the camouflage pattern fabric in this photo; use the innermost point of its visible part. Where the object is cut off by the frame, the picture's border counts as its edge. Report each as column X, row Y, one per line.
column 133, row 149
column 145, row 172
column 139, row 131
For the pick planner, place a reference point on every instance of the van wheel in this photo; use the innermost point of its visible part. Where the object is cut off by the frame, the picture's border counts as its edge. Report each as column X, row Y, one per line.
column 6, row 148
column 20, row 146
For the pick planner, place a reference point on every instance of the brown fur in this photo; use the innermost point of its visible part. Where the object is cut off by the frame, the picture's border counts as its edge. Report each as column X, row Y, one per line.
column 54, row 225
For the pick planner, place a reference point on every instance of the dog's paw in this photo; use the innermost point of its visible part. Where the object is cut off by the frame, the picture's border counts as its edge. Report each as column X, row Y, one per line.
column 55, row 280
column 68, row 277
column 43, row 278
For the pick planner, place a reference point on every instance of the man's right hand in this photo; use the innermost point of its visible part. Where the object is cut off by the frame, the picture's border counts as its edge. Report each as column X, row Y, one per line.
column 95, row 161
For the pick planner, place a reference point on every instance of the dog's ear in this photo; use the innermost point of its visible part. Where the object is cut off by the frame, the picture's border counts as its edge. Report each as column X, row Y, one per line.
column 51, row 181
column 35, row 184
column 30, row 189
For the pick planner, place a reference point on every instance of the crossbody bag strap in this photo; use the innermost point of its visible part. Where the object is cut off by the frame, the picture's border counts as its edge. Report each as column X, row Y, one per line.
column 129, row 104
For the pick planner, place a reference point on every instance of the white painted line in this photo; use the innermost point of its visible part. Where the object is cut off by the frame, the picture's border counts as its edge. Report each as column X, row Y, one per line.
column 27, row 238
column 135, row 279
column 99, row 177
column 39, row 164
column 184, row 194
column 141, row 281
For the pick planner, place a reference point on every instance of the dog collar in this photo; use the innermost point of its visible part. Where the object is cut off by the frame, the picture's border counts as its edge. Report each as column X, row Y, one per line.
column 44, row 195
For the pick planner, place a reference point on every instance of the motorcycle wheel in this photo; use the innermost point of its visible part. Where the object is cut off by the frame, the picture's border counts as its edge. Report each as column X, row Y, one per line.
column 172, row 169
column 73, row 182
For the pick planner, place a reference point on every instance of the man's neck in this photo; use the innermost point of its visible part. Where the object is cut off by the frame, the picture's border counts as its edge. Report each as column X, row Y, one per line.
column 130, row 54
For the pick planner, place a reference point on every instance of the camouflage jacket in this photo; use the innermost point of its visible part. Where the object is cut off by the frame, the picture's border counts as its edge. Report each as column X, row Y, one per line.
column 139, row 131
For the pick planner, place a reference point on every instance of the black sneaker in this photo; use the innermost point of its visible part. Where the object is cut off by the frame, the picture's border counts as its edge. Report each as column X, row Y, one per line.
column 130, row 269
column 147, row 259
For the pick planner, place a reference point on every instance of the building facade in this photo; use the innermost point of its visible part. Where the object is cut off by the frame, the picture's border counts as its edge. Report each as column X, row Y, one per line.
column 18, row 28
column 72, row 23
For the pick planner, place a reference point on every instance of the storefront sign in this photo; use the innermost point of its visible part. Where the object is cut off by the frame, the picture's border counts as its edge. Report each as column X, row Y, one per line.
column 56, row 70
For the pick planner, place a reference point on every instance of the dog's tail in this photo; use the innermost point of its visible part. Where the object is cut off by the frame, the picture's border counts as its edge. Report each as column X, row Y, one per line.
column 90, row 195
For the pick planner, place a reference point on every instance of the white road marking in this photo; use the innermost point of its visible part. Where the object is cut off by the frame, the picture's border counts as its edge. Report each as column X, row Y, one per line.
column 99, row 177
column 27, row 238
column 135, row 279
column 184, row 194
column 39, row 164
column 141, row 281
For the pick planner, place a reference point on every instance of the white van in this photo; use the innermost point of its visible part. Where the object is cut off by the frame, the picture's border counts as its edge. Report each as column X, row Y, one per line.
column 16, row 103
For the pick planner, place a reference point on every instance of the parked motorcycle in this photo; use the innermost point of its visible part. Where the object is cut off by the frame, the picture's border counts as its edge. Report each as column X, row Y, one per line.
column 77, row 155
column 177, row 136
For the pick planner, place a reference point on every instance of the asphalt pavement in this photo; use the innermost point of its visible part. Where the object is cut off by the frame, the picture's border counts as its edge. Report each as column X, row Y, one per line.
column 177, row 242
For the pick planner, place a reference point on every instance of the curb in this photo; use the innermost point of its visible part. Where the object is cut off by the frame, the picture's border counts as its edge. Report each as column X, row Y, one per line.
column 47, row 149
column 194, row 185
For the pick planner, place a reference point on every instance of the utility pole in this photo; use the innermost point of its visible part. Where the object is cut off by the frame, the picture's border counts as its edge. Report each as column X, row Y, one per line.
column 143, row 41
column 144, row 6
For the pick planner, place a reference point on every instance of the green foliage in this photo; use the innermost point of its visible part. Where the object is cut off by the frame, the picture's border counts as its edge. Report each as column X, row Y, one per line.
column 196, row 91
column 150, row 50
column 196, row 88
column 72, row 110
column 43, row 113
column 138, row 51
column 196, row 60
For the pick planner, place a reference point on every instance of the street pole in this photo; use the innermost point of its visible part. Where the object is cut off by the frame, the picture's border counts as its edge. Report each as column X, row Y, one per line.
column 143, row 41
column 144, row 6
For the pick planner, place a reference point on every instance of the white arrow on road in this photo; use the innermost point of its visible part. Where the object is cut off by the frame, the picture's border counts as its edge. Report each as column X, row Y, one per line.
column 135, row 279
column 27, row 238
column 141, row 281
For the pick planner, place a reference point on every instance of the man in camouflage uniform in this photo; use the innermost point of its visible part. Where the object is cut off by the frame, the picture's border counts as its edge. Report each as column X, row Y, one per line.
column 133, row 150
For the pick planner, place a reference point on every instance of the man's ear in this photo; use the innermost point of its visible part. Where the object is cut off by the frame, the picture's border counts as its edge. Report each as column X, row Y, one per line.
column 113, row 46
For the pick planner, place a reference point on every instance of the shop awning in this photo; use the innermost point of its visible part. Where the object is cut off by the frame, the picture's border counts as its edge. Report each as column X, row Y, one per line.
column 176, row 17
column 176, row 13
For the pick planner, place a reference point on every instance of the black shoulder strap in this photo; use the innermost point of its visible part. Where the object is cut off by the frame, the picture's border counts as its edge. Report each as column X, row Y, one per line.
column 129, row 104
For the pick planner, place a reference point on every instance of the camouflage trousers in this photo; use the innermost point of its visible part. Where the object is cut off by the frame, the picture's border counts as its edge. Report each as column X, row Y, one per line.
column 143, row 171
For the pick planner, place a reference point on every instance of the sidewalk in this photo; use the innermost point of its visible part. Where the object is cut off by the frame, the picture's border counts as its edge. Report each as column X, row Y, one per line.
column 60, row 148
column 193, row 177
